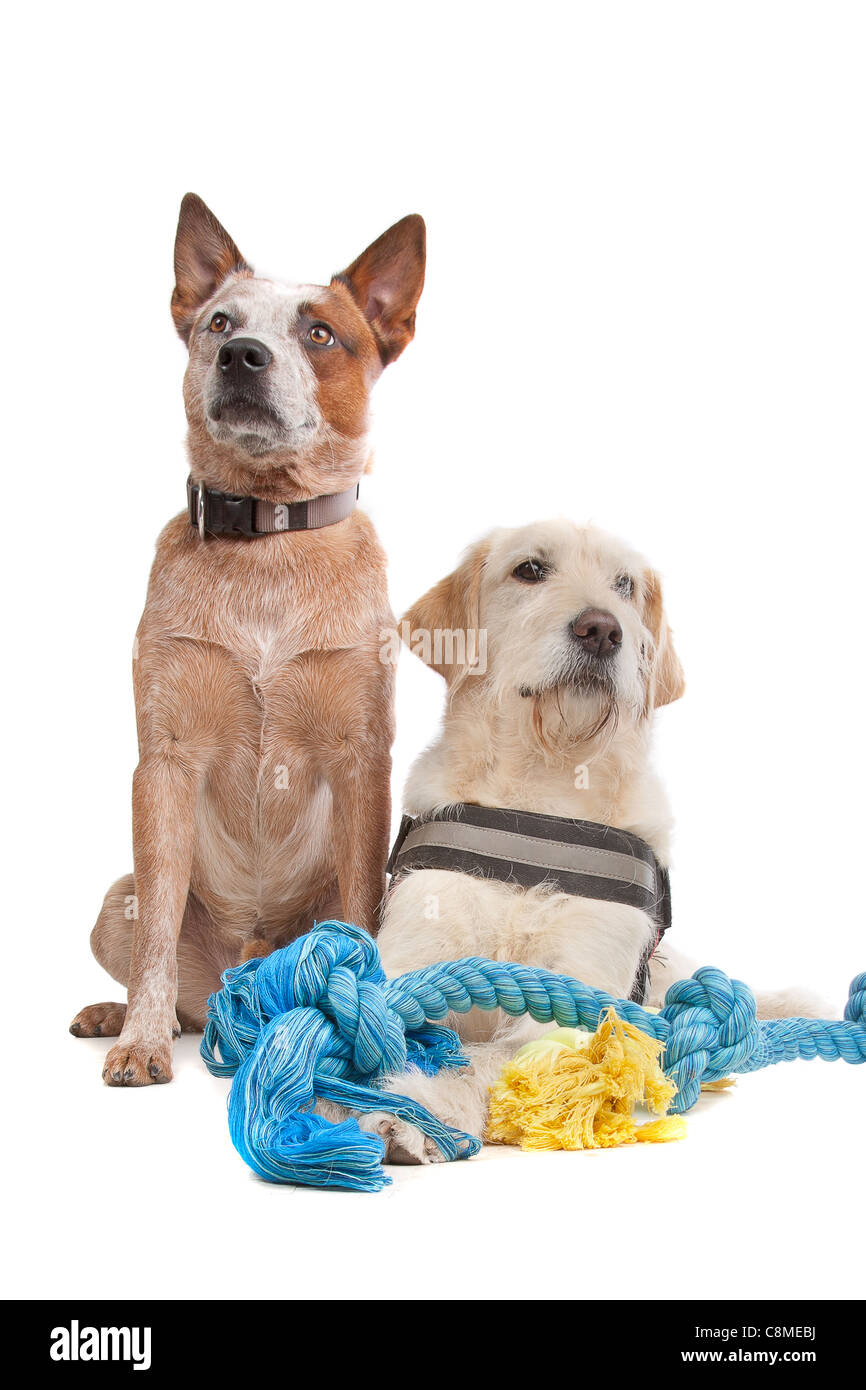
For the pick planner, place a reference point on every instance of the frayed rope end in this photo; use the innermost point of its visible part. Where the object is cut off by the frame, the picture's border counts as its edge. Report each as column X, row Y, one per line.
column 581, row 1092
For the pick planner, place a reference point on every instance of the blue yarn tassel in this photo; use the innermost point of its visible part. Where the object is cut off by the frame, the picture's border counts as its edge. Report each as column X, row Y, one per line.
column 318, row 1020
column 312, row 1021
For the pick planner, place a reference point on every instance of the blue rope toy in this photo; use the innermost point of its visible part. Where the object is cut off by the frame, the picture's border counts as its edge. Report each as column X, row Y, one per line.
column 318, row 1019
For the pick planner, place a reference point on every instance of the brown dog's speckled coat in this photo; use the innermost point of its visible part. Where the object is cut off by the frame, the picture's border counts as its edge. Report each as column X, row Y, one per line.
column 261, row 797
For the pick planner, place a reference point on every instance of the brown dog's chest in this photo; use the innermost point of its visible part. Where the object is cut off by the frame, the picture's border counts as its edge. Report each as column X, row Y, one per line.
column 265, row 671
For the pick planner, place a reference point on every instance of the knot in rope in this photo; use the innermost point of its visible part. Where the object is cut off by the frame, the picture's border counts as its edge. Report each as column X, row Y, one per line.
column 313, row 1022
column 855, row 1009
column 713, row 1031
column 340, row 974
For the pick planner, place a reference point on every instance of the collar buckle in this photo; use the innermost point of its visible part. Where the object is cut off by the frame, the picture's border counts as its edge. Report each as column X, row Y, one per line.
column 195, row 501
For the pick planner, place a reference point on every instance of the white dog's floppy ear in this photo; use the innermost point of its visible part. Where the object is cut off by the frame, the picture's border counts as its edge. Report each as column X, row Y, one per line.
column 667, row 681
column 386, row 282
column 204, row 256
column 442, row 627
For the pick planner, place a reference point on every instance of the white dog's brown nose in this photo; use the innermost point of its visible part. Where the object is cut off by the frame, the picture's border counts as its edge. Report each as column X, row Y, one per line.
column 597, row 631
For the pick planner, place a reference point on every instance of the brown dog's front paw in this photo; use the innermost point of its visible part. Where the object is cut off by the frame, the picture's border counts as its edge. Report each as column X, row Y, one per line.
column 98, row 1021
column 138, row 1064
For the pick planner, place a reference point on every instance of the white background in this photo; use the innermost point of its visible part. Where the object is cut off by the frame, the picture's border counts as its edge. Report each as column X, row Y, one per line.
column 644, row 306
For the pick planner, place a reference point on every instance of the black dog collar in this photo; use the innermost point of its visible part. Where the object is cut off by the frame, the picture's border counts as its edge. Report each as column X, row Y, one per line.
column 580, row 857
column 222, row 514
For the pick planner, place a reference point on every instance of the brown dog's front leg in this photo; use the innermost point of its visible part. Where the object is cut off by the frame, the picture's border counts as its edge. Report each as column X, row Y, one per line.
column 356, row 732
column 359, row 772
column 362, row 823
column 164, row 790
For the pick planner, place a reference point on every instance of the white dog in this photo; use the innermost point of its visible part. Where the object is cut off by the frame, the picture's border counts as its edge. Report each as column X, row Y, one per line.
column 557, row 721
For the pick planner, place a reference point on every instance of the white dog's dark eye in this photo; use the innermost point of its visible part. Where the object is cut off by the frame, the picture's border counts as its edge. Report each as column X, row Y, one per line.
column 530, row 571
column 321, row 335
column 219, row 323
column 624, row 584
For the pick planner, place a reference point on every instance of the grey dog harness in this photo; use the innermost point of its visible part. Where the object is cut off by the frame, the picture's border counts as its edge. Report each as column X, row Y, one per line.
column 580, row 857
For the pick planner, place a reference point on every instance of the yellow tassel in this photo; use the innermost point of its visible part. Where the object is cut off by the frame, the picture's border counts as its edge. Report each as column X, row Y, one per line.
column 573, row 1090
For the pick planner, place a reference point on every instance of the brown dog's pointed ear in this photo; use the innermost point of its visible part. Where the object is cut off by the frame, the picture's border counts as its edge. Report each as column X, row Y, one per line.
column 667, row 681
column 204, row 256
column 386, row 282
column 443, row 627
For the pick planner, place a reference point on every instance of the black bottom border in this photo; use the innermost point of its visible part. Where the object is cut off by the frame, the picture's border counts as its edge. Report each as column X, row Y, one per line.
column 258, row 1337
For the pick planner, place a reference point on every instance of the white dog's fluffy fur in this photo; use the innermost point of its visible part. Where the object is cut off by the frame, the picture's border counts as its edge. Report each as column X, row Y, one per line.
column 540, row 723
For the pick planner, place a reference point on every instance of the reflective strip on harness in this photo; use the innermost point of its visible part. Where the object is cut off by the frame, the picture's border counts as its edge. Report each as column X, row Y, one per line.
column 525, row 848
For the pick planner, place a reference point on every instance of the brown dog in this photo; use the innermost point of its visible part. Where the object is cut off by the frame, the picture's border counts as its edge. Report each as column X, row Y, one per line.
column 261, row 797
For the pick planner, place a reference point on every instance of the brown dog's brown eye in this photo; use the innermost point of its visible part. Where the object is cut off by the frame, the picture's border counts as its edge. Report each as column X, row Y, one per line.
column 219, row 323
column 321, row 335
column 530, row 571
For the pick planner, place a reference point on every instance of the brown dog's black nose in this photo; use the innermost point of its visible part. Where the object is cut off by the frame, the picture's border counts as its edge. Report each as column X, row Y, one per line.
column 242, row 356
column 598, row 632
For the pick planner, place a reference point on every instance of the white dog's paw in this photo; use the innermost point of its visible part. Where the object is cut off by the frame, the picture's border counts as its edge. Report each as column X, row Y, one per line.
column 404, row 1143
